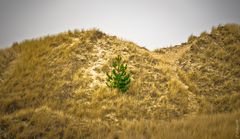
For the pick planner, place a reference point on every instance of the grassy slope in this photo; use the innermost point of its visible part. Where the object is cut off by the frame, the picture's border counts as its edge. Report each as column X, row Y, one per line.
column 211, row 69
column 54, row 87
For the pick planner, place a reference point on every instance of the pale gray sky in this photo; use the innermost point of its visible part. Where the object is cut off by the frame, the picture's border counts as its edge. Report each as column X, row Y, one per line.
column 149, row 23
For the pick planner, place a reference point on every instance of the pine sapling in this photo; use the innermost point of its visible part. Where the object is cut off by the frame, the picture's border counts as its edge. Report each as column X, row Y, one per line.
column 119, row 77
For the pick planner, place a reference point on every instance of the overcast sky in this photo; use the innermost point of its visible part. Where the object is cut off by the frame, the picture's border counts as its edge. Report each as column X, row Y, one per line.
column 149, row 23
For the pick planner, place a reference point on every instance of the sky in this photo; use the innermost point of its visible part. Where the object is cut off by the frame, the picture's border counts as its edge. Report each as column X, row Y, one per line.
column 149, row 23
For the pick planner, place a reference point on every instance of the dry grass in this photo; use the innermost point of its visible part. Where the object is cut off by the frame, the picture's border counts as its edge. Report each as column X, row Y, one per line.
column 54, row 87
column 219, row 126
column 47, row 123
column 212, row 67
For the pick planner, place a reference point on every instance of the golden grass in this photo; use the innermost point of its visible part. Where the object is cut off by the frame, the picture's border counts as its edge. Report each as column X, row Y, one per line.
column 219, row 126
column 47, row 89
column 47, row 123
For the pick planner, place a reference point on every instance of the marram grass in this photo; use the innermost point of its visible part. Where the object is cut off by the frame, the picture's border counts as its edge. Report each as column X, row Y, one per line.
column 54, row 87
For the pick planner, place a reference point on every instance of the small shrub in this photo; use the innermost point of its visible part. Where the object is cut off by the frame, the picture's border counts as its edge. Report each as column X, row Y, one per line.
column 119, row 77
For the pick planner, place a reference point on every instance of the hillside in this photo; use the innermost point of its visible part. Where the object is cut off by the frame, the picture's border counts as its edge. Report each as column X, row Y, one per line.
column 54, row 87
column 212, row 68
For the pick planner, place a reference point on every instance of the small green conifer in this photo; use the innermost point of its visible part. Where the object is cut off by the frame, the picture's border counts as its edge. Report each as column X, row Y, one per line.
column 119, row 77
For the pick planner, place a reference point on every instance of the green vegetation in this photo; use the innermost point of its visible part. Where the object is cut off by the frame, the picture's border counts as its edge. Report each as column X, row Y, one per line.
column 119, row 78
column 54, row 87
